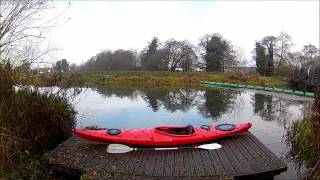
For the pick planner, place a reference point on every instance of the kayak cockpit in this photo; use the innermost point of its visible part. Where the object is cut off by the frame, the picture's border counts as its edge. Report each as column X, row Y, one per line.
column 187, row 130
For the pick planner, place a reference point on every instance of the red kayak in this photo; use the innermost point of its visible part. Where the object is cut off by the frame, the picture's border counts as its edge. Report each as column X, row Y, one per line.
column 163, row 135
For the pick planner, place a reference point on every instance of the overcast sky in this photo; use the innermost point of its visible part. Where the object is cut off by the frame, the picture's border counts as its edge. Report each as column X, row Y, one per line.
column 93, row 26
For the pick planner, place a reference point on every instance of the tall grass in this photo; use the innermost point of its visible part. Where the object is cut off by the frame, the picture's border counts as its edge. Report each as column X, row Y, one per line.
column 305, row 139
column 57, row 79
column 30, row 121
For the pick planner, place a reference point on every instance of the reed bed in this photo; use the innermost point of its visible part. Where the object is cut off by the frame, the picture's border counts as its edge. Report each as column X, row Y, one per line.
column 304, row 137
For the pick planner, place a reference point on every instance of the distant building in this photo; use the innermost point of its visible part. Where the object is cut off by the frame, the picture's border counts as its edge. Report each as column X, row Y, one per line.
column 44, row 70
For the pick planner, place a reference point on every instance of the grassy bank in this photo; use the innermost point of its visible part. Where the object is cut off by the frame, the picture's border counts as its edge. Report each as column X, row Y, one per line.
column 189, row 79
column 57, row 79
column 31, row 122
column 304, row 137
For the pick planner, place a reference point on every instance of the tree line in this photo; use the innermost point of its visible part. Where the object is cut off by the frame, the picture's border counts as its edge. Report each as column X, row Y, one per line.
column 272, row 55
column 213, row 53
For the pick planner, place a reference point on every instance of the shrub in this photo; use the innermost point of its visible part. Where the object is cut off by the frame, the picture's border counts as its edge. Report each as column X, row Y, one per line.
column 241, row 76
column 57, row 79
column 30, row 121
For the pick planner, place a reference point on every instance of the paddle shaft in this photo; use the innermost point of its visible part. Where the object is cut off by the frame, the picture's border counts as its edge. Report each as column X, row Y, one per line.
column 121, row 148
column 161, row 149
column 169, row 148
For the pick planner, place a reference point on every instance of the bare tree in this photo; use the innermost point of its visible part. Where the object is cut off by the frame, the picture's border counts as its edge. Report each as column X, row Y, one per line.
column 310, row 51
column 180, row 54
column 189, row 57
column 22, row 26
column 174, row 53
column 240, row 56
column 295, row 59
column 283, row 48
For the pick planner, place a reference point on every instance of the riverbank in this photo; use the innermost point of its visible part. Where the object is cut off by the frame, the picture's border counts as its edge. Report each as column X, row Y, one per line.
column 304, row 133
column 172, row 79
column 31, row 122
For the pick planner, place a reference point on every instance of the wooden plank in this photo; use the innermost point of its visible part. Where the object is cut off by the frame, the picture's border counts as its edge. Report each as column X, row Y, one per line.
column 181, row 166
column 240, row 162
column 187, row 160
column 254, row 165
column 171, row 162
column 122, row 163
column 215, row 163
column 265, row 153
column 231, row 159
column 239, row 156
column 138, row 161
column 266, row 163
column 264, row 149
column 149, row 163
column 155, row 170
column 228, row 168
column 197, row 162
column 129, row 167
column 206, row 163
column 163, row 162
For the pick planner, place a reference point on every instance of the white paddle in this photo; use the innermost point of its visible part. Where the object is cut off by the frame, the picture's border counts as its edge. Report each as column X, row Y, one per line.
column 121, row 148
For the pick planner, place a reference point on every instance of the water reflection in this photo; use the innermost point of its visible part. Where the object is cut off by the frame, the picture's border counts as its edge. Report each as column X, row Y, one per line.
column 216, row 103
column 173, row 100
column 115, row 91
column 280, row 109
column 264, row 106
column 271, row 114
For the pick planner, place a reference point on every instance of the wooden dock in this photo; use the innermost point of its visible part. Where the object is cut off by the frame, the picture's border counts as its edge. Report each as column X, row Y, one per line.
column 241, row 157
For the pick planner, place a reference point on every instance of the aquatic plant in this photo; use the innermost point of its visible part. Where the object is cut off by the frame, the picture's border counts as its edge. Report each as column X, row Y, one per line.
column 304, row 137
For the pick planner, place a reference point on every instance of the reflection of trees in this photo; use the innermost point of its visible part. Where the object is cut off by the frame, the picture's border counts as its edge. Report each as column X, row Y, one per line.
column 119, row 92
column 276, row 108
column 264, row 106
column 179, row 100
column 171, row 100
column 217, row 102
column 151, row 97
column 212, row 103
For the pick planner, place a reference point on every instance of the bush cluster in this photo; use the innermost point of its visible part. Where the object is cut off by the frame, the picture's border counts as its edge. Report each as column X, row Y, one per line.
column 30, row 120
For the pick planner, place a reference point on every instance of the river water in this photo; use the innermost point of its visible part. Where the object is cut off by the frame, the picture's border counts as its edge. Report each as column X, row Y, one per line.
column 271, row 114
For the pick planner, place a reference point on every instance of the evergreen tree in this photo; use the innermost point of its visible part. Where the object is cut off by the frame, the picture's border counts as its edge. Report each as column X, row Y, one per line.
column 151, row 59
column 261, row 59
column 62, row 66
column 218, row 51
column 270, row 43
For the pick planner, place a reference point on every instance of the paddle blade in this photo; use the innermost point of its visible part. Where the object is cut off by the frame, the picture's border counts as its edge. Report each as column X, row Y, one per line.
column 118, row 148
column 210, row 146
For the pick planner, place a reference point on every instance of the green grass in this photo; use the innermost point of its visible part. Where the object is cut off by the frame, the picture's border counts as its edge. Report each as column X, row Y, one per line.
column 171, row 79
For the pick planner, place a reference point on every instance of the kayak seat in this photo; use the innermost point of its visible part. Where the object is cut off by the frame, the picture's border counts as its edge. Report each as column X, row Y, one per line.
column 190, row 129
column 177, row 130
column 183, row 131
